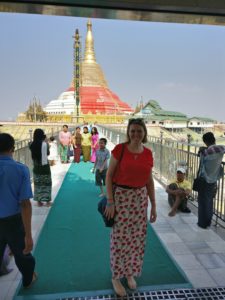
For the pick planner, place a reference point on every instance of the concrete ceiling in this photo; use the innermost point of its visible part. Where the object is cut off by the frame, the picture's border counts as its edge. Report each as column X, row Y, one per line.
column 176, row 11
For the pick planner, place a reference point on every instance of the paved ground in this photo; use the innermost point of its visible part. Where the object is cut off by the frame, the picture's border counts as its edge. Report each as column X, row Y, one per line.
column 200, row 253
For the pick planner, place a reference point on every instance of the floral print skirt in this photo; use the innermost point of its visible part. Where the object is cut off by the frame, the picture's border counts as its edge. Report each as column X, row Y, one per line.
column 128, row 235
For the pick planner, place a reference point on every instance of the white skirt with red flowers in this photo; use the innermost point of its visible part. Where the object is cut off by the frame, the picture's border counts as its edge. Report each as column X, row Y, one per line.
column 128, row 235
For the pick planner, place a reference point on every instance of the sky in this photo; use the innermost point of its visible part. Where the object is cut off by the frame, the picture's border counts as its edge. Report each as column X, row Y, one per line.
column 181, row 66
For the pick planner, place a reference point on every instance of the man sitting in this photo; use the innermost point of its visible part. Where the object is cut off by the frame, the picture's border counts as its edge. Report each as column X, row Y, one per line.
column 178, row 191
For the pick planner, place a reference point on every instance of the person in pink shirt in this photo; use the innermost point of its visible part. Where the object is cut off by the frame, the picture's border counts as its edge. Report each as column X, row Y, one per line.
column 64, row 143
column 94, row 143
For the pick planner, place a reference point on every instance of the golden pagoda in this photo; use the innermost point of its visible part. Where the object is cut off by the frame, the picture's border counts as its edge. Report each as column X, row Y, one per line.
column 97, row 103
column 91, row 72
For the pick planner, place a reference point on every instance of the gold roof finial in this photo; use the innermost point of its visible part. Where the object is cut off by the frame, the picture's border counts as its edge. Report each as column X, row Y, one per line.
column 89, row 54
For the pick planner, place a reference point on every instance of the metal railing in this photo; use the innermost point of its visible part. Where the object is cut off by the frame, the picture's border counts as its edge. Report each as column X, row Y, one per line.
column 167, row 157
column 22, row 152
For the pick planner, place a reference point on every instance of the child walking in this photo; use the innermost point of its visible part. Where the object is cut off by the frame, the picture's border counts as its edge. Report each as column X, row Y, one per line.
column 53, row 151
column 101, row 165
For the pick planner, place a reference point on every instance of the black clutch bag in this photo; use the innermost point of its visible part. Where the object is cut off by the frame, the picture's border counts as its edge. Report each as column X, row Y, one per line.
column 197, row 184
column 198, row 181
column 101, row 208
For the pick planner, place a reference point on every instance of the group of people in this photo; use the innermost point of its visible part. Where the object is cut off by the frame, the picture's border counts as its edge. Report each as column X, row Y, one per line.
column 210, row 171
column 85, row 143
column 44, row 154
column 129, row 187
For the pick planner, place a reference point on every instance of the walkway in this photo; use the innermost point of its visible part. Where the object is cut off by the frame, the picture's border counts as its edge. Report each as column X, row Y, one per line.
column 200, row 253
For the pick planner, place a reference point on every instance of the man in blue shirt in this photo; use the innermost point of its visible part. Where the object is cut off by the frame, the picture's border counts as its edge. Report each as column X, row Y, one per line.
column 210, row 171
column 16, row 210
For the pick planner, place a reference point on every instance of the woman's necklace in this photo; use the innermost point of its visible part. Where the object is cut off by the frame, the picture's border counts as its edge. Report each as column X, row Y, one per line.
column 136, row 152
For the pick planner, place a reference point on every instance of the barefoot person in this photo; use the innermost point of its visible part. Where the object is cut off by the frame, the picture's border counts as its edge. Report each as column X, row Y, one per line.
column 86, row 144
column 76, row 142
column 101, row 165
column 53, row 149
column 16, row 210
column 210, row 171
column 94, row 143
column 41, row 171
column 130, row 172
column 64, row 143
column 178, row 191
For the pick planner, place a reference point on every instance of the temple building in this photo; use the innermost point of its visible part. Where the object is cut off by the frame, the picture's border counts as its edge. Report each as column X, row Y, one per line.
column 173, row 121
column 154, row 114
column 96, row 101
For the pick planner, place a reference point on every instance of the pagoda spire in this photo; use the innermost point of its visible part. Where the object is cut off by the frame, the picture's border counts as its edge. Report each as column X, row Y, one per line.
column 89, row 54
column 77, row 72
column 91, row 72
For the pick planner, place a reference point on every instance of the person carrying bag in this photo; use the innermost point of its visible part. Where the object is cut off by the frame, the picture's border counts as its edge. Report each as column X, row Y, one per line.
column 197, row 183
column 129, row 187
column 103, row 202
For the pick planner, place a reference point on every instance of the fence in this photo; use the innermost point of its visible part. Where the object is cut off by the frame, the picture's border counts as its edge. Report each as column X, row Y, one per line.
column 167, row 157
column 22, row 152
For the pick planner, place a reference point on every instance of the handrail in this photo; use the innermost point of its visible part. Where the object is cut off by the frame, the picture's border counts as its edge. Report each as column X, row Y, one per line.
column 22, row 151
column 167, row 156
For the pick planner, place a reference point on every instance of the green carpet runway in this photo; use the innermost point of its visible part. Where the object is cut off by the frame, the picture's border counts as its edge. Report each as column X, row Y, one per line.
column 72, row 253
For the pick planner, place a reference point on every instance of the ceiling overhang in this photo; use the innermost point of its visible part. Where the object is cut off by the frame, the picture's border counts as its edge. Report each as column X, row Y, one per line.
column 211, row 12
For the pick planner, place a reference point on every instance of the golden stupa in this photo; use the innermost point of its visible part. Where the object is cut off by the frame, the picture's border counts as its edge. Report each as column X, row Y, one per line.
column 97, row 103
column 91, row 72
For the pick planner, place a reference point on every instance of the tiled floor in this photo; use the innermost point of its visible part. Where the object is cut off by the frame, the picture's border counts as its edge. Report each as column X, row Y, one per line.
column 200, row 253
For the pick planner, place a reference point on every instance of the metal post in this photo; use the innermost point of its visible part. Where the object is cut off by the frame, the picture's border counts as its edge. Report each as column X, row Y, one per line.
column 77, row 73
column 118, row 139
column 30, row 132
column 161, row 150
column 188, row 153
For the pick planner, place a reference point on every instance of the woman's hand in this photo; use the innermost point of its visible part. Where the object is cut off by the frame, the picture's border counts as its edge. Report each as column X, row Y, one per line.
column 109, row 211
column 153, row 214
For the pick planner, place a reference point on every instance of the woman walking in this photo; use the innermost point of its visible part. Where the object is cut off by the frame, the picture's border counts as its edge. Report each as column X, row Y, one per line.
column 94, row 143
column 64, row 143
column 41, row 170
column 86, row 144
column 76, row 141
column 130, row 172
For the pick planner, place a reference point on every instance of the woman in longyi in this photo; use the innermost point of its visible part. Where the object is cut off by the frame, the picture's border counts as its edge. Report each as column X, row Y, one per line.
column 129, row 183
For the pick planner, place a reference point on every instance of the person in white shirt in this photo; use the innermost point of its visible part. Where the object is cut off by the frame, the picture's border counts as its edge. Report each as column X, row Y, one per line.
column 53, row 149
column 210, row 171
